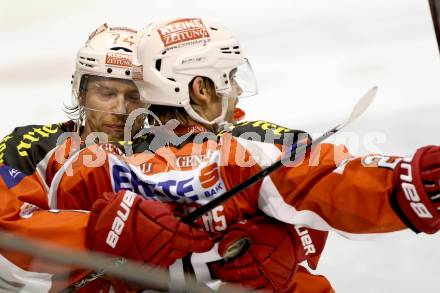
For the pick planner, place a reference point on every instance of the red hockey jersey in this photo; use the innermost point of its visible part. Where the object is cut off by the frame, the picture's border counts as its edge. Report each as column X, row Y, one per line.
column 327, row 190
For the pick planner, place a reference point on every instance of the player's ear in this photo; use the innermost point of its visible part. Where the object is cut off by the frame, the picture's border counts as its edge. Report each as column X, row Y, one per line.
column 199, row 92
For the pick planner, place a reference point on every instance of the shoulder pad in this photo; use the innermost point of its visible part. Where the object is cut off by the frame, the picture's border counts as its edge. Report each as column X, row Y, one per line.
column 138, row 145
column 264, row 131
column 26, row 146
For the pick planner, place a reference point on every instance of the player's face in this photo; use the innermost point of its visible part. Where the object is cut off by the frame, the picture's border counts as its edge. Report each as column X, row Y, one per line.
column 108, row 103
column 233, row 99
column 213, row 108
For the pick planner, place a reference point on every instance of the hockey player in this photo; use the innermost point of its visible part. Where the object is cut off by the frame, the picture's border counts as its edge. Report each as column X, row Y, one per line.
column 104, row 94
column 193, row 70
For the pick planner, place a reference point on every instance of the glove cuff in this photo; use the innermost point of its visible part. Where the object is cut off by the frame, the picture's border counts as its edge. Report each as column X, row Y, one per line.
column 410, row 199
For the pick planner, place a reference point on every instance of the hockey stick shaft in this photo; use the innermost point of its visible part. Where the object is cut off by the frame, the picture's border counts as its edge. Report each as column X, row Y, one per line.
column 434, row 5
column 296, row 152
column 127, row 270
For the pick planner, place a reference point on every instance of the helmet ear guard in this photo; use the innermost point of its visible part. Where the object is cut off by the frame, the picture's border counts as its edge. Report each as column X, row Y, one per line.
column 172, row 53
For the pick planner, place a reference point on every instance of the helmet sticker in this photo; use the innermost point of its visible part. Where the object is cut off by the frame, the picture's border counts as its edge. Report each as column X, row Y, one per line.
column 123, row 28
column 127, row 40
column 99, row 30
column 138, row 72
column 118, row 59
column 182, row 30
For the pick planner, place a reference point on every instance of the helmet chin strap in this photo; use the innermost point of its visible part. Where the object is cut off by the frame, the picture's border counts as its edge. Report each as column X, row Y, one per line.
column 217, row 122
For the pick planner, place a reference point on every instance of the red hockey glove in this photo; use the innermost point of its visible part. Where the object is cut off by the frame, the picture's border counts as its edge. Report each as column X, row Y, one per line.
column 417, row 196
column 144, row 230
column 309, row 244
column 268, row 264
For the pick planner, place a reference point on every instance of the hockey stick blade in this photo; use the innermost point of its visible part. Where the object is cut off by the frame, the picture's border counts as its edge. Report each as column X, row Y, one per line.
column 296, row 151
column 361, row 106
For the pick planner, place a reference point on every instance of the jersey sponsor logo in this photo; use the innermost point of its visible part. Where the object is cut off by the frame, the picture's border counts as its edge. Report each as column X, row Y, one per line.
column 14, row 173
column 126, row 179
column 212, row 192
column 11, row 176
column 34, row 136
column 410, row 191
column 197, row 185
column 145, row 167
column 258, row 125
column 111, row 148
column 193, row 160
column 266, row 132
column 119, row 221
column 182, row 30
column 118, row 59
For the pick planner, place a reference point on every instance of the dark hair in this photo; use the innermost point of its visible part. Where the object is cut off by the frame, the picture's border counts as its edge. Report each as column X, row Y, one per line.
column 75, row 111
column 166, row 113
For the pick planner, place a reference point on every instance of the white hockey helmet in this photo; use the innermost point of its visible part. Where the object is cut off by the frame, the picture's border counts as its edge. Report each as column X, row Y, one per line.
column 171, row 53
column 107, row 53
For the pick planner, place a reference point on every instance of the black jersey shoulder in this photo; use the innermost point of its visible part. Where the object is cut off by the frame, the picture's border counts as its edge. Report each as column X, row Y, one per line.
column 26, row 146
column 260, row 130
